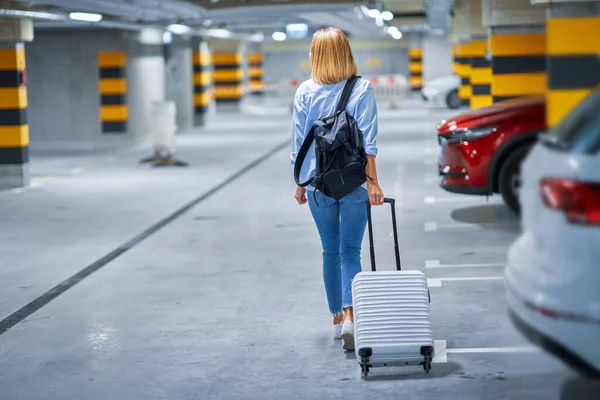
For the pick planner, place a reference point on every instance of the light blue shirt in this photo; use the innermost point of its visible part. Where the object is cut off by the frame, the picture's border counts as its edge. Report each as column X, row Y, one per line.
column 315, row 101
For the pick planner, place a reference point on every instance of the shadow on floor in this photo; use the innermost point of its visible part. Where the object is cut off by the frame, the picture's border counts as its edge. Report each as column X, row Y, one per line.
column 411, row 373
column 488, row 216
column 579, row 389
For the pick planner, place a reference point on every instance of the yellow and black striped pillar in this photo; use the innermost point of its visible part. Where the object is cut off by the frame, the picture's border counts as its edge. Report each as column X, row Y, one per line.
column 415, row 67
column 464, row 71
column 255, row 73
column 14, row 129
column 518, row 63
column 573, row 50
column 481, row 74
column 113, row 91
column 228, row 77
column 203, row 81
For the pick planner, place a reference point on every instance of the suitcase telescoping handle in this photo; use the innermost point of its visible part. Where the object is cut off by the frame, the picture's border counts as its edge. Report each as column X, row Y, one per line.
column 392, row 203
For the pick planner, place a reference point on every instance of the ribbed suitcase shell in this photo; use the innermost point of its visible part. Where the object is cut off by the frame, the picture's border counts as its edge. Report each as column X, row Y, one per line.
column 391, row 316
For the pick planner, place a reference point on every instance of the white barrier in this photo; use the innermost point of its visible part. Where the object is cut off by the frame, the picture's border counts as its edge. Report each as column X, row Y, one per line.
column 389, row 90
column 163, row 127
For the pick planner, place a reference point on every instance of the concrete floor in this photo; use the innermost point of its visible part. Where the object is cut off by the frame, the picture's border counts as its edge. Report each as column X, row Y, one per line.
column 226, row 301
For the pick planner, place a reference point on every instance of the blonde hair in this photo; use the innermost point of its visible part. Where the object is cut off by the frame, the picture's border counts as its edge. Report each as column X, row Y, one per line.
column 331, row 57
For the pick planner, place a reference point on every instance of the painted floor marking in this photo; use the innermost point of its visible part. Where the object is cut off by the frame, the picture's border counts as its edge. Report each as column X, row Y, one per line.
column 434, row 226
column 437, row 282
column 438, row 264
column 457, row 199
column 441, row 355
column 442, row 350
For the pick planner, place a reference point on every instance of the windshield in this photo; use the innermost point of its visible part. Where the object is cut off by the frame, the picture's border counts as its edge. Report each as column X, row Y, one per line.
column 580, row 130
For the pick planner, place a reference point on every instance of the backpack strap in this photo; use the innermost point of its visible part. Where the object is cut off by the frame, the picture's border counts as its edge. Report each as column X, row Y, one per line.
column 310, row 137
column 350, row 83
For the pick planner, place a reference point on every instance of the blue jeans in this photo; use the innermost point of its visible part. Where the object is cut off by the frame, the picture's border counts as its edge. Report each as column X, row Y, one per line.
column 341, row 225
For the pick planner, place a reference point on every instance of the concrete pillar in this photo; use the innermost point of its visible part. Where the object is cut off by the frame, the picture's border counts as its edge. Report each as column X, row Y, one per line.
column 572, row 56
column 229, row 72
column 14, row 128
column 437, row 58
column 179, row 80
column 415, row 63
column 255, row 60
column 203, row 82
column 518, row 45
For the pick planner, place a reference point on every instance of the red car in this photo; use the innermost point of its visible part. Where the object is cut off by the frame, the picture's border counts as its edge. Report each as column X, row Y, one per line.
column 482, row 150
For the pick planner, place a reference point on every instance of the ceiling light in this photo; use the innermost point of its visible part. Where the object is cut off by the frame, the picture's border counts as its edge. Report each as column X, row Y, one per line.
column 297, row 31
column 392, row 29
column 279, row 36
column 31, row 14
column 387, row 16
column 219, row 33
column 397, row 35
column 167, row 37
column 178, row 29
column 87, row 17
column 374, row 13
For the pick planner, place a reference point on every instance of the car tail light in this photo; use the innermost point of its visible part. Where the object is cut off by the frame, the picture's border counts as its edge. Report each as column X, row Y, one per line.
column 580, row 201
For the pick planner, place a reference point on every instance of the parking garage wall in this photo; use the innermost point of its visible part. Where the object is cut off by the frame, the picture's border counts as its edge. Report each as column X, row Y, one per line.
column 437, row 58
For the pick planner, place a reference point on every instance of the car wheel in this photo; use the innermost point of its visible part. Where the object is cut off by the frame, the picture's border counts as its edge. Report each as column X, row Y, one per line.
column 509, row 180
column 452, row 100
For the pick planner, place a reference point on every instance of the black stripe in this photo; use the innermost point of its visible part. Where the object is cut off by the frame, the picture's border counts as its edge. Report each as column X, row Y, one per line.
column 11, row 78
column 481, row 89
column 202, row 89
column 414, row 14
column 416, row 88
column 24, row 312
column 228, row 66
column 201, row 109
column 573, row 72
column 114, row 127
column 228, row 83
column 465, row 102
column 413, row 59
column 256, row 78
column 462, row 60
column 229, row 99
column 465, row 81
column 480, row 62
column 202, row 68
column 257, row 92
column 518, row 64
column 255, row 65
column 113, row 99
column 16, row 116
column 416, row 74
column 14, row 155
column 109, row 73
column 496, row 99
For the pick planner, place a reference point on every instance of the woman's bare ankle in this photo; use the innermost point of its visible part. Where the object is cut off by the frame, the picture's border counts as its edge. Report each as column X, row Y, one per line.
column 349, row 314
column 338, row 318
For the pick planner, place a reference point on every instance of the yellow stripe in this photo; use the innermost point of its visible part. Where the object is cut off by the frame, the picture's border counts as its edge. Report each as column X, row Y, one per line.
column 481, row 100
column 415, row 53
column 416, row 81
column 481, row 75
column 455, row 68
column 255, row 58
column 11, row 98
column 569, row 36
column 14, row 136
column 560, row 102
column 478, row 48
column 113, row 86
column 201, row 58
column 112, row 59
column 519, row 84
column 114, row 113
column 229, row 91
column 415, row 67
column 255, row 85
column 465, row 92
column 255, row 72
column 228, row 74
column 464, row 71
column 202, row 78
column 203, row 99
column 468, row 50
column 12, row 59
column 518, row 44
column 227, row 58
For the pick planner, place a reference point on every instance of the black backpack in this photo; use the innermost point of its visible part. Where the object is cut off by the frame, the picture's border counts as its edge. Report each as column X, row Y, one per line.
column 340, row 152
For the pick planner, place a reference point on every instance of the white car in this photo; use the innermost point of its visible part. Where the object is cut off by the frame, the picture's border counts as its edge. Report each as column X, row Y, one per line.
column 553, row 273
column 442, row 92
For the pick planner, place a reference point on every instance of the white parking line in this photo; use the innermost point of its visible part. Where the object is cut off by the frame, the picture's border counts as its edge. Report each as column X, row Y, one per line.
column 434, row 226
column 442, row 350
column 456, row 199
column 438, row 264
column 437, row 282
column 441, row 356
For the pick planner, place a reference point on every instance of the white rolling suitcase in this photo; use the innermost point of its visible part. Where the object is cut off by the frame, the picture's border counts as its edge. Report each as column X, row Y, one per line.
column 392, row 326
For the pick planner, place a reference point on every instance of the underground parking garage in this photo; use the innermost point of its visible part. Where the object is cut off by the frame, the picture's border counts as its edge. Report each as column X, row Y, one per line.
column 152, row 246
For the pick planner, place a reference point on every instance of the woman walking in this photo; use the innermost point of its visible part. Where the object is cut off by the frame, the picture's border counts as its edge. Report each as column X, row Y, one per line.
column 340, row 223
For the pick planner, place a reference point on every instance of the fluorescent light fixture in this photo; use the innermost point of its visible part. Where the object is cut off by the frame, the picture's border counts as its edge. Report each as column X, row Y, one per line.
column 87, row 17
column 178, row 29
column 387, row 16
column 397, row 35
column 392, row 29
column 31, row 14
column 167, row 37
column 379, row 22
column 364, row 9
column 297, row 31
column 219, row 33
column 374, row 13
column 279, row 36
column 257, row 37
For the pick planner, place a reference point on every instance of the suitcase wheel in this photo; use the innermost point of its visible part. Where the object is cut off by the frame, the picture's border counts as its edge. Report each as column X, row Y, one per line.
column 427, row 355
column 364, row 361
